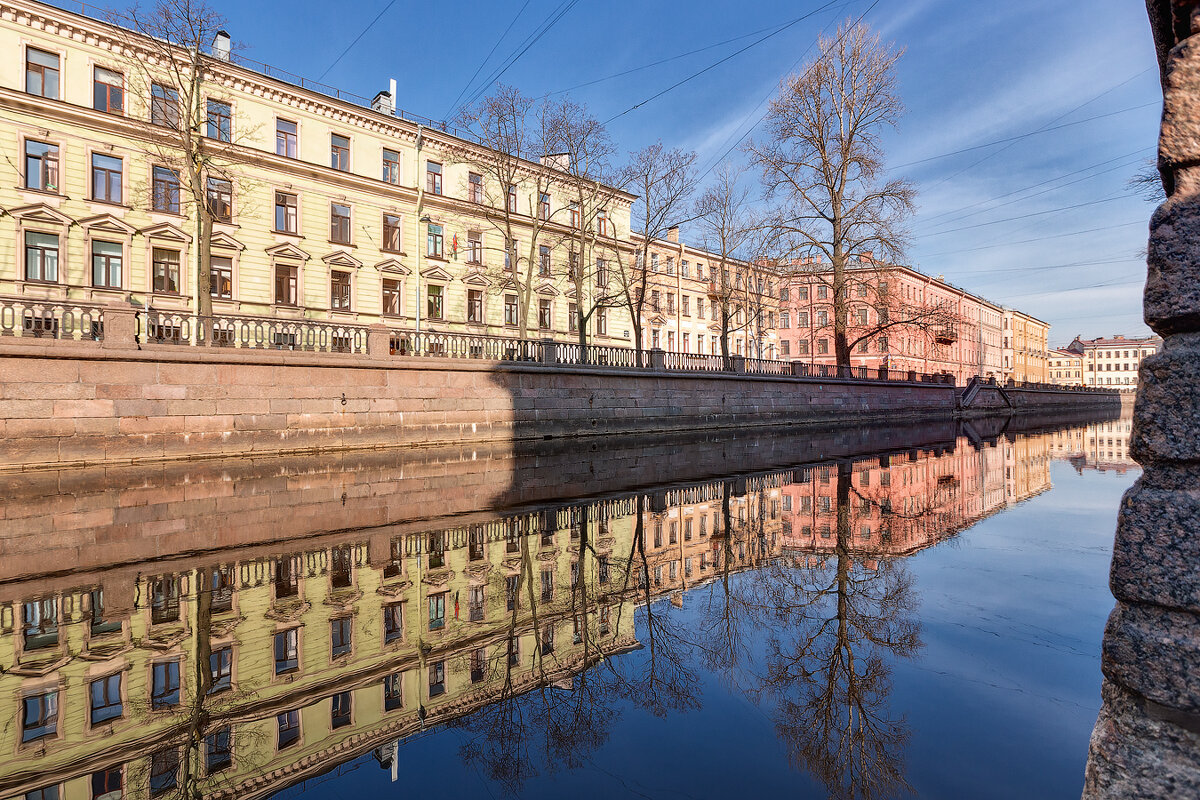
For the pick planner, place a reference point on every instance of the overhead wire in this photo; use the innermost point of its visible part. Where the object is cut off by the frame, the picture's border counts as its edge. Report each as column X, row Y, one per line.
column 361, row 34
column 454, row 106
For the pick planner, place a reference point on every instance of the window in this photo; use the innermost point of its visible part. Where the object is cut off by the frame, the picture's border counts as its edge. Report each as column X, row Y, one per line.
column 164, row 771
column 164, row 684
column 684, row 270
column 602, row 322
column 286, row 212
column 164, row 191
column 602, row 225
column 39, row 716
column 339, row 152
column 392, row 292
column 218, row 747
column 802, row 319
column 784, row 347
column 475, row 603
column 286, row 139
column 41, row 73
column 340, row 223
column 670, row 265
column 41, row 166
column 475, row 305
column 287, row 651
column 572, row 318
column 433, row 177
column 823, row 346
column 220, row 665
column 862, row 346
column 106, row 265
column 822, row 292
column 700, row 307
column 822, row 318
column 475, row 187
column 512, row 199
column 391, row 166
column 601, row 272
column 339, row 710
column 393, row 622
column 478, row 664
column 221, row 277
column 106, row 178
column 391, row 233
column 433, row 241
column 510, row 310
column 437, row 611
column 108, row 784
column 220, row 199
column 340, row 636
column 164, row 106
column 437, row 678
column 339, row 290
column 41, row 257
column 684, row 301
column 474, row 247
column 543, row 261
column 544, row 206
column 105, row 694
column 860, row 316
column 434, row 301
column 288, row 726
column 393, row 691
column 220, row 121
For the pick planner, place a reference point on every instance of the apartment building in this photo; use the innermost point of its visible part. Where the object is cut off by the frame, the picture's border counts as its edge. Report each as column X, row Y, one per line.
column 327, row 206
column 685, row 290
column 1066, row 368
column 1113, row 361
column 899, row 319
column 1026, row 347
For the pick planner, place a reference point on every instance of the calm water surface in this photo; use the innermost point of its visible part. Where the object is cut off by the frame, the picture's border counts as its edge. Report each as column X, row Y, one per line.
column 806, row 614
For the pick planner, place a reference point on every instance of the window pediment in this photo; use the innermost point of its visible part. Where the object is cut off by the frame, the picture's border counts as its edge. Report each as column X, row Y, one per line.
column 437, row 274
column 340, row 258
column 289, row 251
column 393, row 266
column 107, row 223
column 657, row 321
column 40, row 212
column 225, row 241
column 166, row 231
column 477, row 279
column 546, row 290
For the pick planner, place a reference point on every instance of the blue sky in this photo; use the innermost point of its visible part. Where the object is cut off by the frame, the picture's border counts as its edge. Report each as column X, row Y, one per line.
column 993, row 219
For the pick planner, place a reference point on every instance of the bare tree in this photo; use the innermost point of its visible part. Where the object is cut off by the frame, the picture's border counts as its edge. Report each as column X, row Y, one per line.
column 189, row 139
column 665, row 181
column 822, row 162
column 724, row 219
column 519, row 135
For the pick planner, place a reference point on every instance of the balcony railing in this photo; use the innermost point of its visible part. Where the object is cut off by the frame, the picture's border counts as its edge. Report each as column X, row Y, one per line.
column 254, row 333
column 51, row 319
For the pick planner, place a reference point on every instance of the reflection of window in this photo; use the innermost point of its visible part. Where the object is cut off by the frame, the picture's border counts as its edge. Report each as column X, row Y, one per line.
column 221, row 669
column 164, row 599
column 393, row 622
column 437, row 611
column 339, row 710
column 288, row 725
column 393, row 691
column 340, row 636
column 39, row 716
column 287, row 651
column 164, row 771
column 511, row 586
column 478, row 663
column 437, row 678
column 39, row 621
column 219, row 750
column 107, row 784
column 105, row 694
column 165, row 683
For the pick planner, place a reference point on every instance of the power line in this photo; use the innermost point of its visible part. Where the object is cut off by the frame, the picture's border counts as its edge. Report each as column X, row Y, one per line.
column 1024, row 135
column 361, row 34
column 1038, row 239
column 1048, row 124
column 716, row 64
column 548, row 22
column 1032, row 214
column 486, row 59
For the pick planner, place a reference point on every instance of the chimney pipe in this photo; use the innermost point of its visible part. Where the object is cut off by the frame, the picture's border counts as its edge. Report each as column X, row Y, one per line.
column 220, row 46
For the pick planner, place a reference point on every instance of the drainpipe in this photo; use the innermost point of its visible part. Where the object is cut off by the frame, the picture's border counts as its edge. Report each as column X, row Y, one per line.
column 419, row 214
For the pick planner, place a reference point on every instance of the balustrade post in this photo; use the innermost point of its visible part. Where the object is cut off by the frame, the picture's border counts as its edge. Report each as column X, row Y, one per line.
column 549, row 352
column 120, row 326
column 738, row 364
column 798, row 370
column 658, row 358
column 912, row 376
column 379, row 341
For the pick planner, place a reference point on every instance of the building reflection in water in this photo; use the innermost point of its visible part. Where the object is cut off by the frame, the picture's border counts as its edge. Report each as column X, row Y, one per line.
column 239, row 672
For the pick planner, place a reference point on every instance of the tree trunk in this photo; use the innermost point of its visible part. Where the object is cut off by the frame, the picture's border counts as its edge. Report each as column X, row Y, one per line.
column 204, row 227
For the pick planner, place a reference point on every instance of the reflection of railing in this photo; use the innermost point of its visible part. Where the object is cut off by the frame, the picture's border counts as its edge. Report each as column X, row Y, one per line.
column 50, row 319
column 257, row 333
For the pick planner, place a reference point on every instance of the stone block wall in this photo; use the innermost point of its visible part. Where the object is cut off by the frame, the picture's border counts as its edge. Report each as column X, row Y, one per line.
column 1146, row 742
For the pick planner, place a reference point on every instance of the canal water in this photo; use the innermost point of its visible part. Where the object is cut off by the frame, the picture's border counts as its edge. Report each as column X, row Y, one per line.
column 866, row 613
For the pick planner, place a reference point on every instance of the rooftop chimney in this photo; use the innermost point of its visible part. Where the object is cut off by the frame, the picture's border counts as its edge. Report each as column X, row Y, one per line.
column 220, row 46
column 561, row 161
column 866, row 257
column 673, row 234
column 384, row 103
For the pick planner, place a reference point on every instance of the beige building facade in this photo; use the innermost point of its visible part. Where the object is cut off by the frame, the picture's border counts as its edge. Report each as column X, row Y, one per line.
column 1066, row 368
column 328, row 208
column 1026, row 348
column 1113, row 362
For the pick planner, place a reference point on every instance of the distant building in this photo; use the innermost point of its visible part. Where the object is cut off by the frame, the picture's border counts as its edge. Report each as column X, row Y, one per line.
column 1026, row 347
column 1113, row 361
column 1066, row 368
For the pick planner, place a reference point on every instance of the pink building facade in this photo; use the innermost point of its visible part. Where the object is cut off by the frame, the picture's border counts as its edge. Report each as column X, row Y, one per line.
column 952, row 331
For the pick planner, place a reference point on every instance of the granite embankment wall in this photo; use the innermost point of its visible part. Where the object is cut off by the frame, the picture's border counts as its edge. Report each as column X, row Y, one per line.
column 79, row 403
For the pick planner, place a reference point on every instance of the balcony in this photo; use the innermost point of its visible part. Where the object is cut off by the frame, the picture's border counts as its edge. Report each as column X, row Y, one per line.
column 945, row 335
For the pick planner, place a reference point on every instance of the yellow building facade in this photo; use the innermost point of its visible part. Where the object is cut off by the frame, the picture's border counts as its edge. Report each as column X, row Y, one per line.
column 1026, row 347
column 328, row 208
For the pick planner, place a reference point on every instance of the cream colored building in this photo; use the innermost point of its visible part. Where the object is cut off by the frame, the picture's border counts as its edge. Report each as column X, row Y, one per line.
column 334, row 208
column 1113, row 362
column 1026, row 348
column 1066, row 368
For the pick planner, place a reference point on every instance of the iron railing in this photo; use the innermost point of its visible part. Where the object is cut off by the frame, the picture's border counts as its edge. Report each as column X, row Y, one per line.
column 254, row 333
column 51, row 319
column 454, row 345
